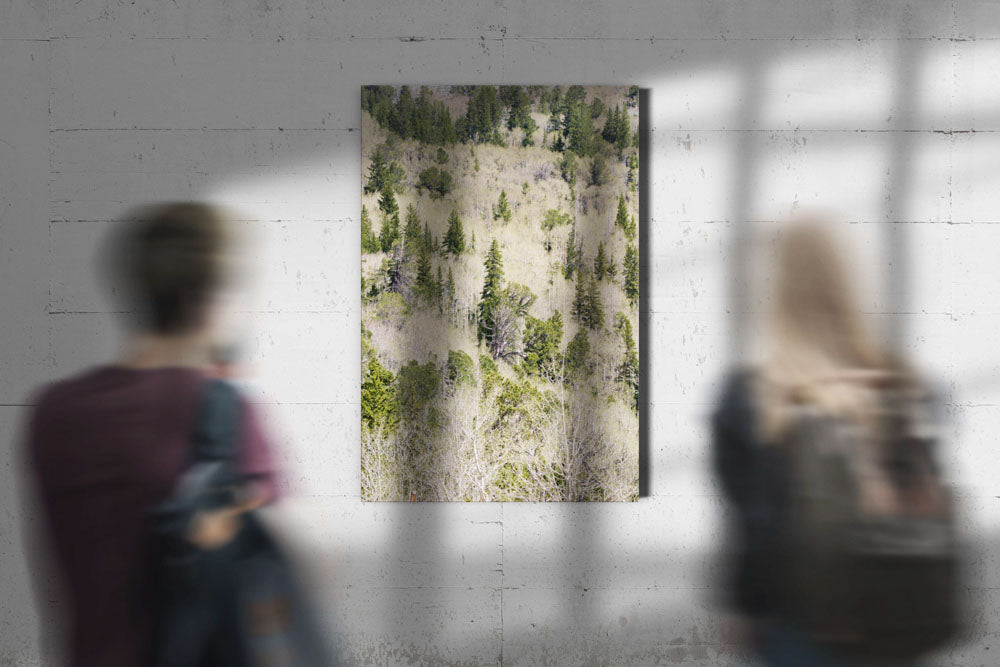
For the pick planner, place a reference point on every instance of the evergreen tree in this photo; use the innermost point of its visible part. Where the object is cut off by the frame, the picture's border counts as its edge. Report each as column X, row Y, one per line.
column 617, row 131
column 628, row 370
column 502, row 209
column 428, row 241
column 623, row 220
column 369, row 242
column 412, row 232
column 482, row 115
column 599, row 172
column 600, row 262
column 387, row 202
column 579, row 129
column 595, row 308
column 472, row 241
column 587, row 306
column 454, row 238
column 630, row 266
column 492, row 289
column 389, row 234
column 425, row 285
column 572, row 255
column 578, row 354
column 376, row 173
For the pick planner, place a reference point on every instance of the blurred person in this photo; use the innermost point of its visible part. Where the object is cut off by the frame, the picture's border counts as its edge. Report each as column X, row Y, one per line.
column 107, row 446
column 844, row 548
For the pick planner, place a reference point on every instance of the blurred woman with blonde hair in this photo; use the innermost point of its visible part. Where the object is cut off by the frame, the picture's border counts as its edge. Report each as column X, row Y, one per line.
column 820, row 359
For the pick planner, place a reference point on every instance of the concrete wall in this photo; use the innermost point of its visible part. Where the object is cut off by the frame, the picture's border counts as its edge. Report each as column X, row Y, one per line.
column 885, row 111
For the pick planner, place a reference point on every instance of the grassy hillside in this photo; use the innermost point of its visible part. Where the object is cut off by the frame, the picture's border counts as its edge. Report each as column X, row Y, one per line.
column 469, row 398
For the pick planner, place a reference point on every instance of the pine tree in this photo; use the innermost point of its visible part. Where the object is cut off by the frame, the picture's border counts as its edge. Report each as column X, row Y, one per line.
column 595, row 308
column 492, row 288
column 630, row 266
column 628, row 370
column 600, row 262
column 428, row 241
column 571, row 255
column 472, row 241
column 454, row 238
column 623, row 220
column 425, row 280
column 387, row 202
column 412, row 233
column 580, row 297
column 369, row 242
column 390, row 224
column 502, row 209
column 376, row 173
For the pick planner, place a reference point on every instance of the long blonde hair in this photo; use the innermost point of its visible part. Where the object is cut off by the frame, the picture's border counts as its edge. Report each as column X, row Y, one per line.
column 818, row 337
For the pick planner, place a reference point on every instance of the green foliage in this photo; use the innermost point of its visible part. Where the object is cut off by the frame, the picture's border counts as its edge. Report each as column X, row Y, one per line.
column 554, row 218
column 502, row 209
column 454, row 238
column 482, row 117
column 416, row 388
column 579, row 129
column 391, row 307
column 525, row 187
column 460, row 369
column 622, row 219
column 633, row 96
column 378, row 397
column 596, row 107
column 422, row 119
column 578, row 355
column 426, row 286
column 567, row 168
column 384, row 173
column 492, row 288
column 600, row 174
column 441, row 157
column 413, row 235
column 369, row 242
column 587, row 306
column 450, row 296
column 633, row 170
column 573, row 255
column 600, row 262
column 542, row 342
column 617, row 130
column 437, row 182
column 628, row 370
column 630, row 265
column 389, row 233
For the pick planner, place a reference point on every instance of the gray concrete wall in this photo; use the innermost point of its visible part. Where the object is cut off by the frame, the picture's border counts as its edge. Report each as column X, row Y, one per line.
column 886, row 112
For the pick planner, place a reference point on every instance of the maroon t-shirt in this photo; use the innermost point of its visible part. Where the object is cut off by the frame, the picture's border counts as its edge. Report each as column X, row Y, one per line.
column 105, row 447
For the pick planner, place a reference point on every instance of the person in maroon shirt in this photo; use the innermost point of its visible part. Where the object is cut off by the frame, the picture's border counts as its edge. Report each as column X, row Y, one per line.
column 106, row 446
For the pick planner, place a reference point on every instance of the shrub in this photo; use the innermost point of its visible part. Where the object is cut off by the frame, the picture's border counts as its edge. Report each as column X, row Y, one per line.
column 554, row 218
column 441, row 157
column 437, row 182
column 460, row 369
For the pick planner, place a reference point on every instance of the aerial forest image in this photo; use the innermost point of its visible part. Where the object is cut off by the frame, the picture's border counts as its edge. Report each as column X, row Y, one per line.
column 500, row 293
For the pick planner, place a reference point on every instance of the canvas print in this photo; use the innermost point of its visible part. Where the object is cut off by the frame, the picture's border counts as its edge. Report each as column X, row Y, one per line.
column 500, row 293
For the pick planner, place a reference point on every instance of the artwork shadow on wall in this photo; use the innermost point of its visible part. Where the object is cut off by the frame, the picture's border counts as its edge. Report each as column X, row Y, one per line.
column 500, row 293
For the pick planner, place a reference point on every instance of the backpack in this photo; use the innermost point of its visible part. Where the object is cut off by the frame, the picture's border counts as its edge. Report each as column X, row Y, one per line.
column 870, row 542
column 237, row 605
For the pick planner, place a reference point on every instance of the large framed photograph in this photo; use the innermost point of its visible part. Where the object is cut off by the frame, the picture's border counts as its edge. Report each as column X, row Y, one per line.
column 500, row 293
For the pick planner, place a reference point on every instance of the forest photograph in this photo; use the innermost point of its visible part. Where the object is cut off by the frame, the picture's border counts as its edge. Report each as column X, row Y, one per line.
column 500, row 293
